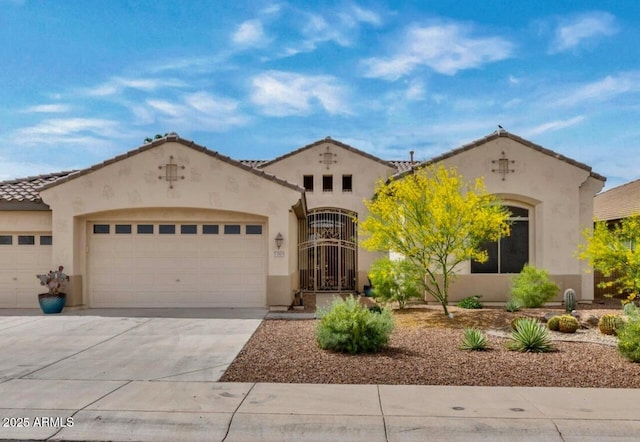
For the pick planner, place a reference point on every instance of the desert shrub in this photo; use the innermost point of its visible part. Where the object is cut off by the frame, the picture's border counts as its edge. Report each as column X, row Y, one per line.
column 532, row 287
column 394, row 281
column 512, row 305
column 629, row 339
column 474, row 339
column 554, row 323
column 348, row 326
column 568, row 324
column 530, row 336
column 472, row 302
column 609, row 324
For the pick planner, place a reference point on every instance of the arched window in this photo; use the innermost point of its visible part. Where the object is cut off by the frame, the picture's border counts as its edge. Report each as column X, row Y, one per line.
column 511, row 253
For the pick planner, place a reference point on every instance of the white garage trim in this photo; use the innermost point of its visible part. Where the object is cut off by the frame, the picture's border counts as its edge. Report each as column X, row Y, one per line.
column 22, row 255
column 177, row 264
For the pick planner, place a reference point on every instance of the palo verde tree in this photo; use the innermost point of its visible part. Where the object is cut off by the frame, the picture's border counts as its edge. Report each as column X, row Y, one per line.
column 436, row 221
column 615, row 251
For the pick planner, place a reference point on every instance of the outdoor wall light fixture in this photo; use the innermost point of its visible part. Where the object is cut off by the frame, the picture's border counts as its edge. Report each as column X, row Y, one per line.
column 279, row 240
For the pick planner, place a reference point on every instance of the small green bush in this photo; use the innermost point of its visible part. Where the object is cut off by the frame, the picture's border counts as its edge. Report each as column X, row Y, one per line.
column 512, row 305
column 394, row 281
column 532, row 287
column 348, row 326
column 554, row 323
column 474, row 339
column 472, row 302
column 629, row 339
column 530, row 336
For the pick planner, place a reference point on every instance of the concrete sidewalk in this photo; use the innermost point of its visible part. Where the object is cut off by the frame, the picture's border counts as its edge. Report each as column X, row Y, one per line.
column 212, row 411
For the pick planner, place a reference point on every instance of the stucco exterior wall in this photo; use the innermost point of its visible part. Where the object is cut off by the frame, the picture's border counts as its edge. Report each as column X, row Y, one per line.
column 131, row 184
column 26, row 221
column 559, row 196
column 365, row 172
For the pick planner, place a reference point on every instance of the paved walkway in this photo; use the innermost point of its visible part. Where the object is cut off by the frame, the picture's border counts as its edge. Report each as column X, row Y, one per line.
column 106, row 376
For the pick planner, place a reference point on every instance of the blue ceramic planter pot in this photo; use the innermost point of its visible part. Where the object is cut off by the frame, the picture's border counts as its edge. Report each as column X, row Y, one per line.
column 52, row 303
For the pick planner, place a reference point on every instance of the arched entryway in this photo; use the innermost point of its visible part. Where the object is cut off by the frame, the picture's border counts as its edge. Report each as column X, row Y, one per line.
column 328, row 251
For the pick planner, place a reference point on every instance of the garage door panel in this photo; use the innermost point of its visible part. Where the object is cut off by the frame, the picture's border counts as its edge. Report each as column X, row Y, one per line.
column 179, row 270
column 19, row 264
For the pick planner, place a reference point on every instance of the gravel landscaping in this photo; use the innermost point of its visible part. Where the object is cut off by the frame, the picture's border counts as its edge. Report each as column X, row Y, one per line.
column 424, row 350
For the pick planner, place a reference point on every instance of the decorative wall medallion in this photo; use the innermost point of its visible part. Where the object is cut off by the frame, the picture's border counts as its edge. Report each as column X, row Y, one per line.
column 503, row 166
column 171, row 172
column 328, row 158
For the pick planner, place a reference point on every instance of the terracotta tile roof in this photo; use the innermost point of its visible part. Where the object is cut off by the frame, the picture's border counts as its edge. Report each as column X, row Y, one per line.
column 27, row 189
column 617, row 203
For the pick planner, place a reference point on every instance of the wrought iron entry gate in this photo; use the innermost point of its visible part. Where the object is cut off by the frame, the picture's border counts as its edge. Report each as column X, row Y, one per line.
column 328, row 250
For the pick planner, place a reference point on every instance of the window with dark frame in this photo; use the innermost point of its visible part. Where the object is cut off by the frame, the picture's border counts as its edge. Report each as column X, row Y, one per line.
column 144, row 229
column 232, row 229
column 123, row 229
column 26, row 240
column 188, row 229
column 46, row 240
column 210, row 229
column 101, row 229
column 327, row 183
column 253, row 229
column 6, row 240
column 167, row 229
column 510, row 253
column 308, row 182
column 347, row 183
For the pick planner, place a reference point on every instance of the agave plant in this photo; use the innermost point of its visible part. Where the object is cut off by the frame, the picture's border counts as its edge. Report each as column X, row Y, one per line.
column 530, row 336
column 474, row 339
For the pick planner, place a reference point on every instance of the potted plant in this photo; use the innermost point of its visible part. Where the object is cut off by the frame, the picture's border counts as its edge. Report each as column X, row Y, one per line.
column 56, row 282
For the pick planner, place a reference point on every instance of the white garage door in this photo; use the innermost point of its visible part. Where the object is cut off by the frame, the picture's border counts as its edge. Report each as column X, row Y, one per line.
column 22, row 256
column 177, row 265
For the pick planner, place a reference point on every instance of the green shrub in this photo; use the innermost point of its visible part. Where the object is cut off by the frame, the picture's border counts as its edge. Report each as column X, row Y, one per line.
column 512, row 305
column 394, row 281
column 472, row 302
column 348, row 326
column 568, row 324
column 474, row 339
column 554, row 323
column 629, row 340
column 530, row 336
column 532, row 287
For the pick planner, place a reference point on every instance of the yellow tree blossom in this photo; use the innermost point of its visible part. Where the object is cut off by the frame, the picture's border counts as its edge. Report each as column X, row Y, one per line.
column 436, row 220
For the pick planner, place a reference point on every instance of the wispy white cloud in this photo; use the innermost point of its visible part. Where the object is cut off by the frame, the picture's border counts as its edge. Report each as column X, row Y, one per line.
column 195, row 111
column 571, row 33
column 250, row 34
column 49, row 108
column 281, row 94
column 446, row 49
column 602, row 90
column 554, row 125
column 118, row 84
column 69, row 131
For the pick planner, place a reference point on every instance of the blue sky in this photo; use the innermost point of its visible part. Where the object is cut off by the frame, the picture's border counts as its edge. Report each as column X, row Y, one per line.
column 83, row 81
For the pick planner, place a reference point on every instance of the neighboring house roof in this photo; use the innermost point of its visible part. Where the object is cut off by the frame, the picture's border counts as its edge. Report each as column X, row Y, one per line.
column 617, row 203
column 27, row 189
column 335, row 143
column 504, row 134
column 173, row 137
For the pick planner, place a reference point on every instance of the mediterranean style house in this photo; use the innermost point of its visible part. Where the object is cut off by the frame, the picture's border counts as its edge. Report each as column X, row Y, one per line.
column 174, row 224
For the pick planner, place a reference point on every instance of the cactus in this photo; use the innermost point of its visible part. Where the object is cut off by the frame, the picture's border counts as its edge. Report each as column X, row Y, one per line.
column 569, row 300
column 609, row 324
column 554, row 323
column 568, row 324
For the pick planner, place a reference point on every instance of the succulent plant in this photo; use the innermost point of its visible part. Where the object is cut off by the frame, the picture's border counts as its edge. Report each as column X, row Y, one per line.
column 55, row 281
column 609, row 324
column 554, row 323
column 568, row 324
column 514, row 322
column 569, row 298
column 512, row 305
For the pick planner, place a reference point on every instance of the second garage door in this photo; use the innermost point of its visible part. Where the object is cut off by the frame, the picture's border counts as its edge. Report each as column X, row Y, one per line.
column 177, row 265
